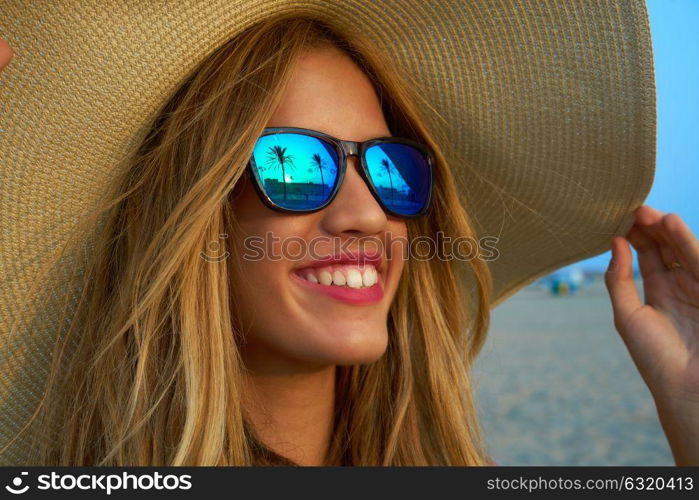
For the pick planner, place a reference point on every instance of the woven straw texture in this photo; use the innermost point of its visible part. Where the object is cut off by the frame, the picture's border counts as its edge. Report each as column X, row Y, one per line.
column 550, row 106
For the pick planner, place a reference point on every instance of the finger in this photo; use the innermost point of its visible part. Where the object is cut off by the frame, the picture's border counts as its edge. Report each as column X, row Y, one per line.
column 5, row 53
column 651, row 221
column 686, row 244
column 620, row 283
column 649, row 259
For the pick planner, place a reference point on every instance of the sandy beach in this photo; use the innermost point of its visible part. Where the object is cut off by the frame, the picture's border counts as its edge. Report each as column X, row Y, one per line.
column 556, row 386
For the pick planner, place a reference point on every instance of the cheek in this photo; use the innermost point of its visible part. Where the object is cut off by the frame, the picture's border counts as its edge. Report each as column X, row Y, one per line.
column 258, row 291
column 397, row 249
column 259, row 278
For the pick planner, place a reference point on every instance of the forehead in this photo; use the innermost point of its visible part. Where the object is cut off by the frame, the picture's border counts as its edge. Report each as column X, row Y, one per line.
column 328, row 92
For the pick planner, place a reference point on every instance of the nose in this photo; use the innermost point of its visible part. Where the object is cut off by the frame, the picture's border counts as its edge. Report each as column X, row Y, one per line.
column 354, row 211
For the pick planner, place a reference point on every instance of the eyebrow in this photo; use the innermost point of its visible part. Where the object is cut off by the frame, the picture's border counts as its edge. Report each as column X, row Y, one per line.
column 334, row 136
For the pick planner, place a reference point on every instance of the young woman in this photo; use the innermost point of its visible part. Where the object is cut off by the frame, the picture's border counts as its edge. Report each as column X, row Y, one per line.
column 252, row 352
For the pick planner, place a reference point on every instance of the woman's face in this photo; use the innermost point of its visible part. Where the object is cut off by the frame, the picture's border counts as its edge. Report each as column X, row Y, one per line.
column 290, row 322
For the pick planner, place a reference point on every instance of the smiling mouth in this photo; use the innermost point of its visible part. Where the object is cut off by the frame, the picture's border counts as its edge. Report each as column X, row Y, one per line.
column 341, row 275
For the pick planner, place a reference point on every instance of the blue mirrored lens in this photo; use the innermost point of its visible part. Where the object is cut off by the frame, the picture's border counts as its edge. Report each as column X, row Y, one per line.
column 296, row 171
column 401, row 175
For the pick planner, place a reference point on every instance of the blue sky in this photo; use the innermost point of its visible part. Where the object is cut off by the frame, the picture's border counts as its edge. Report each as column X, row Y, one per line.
column 674, row 28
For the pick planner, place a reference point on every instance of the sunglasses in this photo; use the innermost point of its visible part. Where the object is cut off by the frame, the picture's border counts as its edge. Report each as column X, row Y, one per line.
column 299, row 170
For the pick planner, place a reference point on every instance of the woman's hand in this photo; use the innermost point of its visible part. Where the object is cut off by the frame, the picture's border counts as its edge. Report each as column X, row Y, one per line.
column 5, row 54
column 662, row 335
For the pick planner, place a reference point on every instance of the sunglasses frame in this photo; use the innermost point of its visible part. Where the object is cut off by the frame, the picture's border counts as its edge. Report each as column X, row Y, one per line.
column 344, row 149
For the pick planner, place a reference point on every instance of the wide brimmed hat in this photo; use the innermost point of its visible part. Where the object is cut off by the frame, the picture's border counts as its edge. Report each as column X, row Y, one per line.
column 550, row 106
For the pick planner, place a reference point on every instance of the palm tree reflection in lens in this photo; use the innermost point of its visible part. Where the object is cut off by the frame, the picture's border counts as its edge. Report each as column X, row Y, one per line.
column 277, row 157
column 387, row 168
column 318, row 161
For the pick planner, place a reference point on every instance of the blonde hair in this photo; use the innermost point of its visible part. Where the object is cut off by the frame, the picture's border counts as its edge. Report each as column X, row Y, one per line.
column 149, row 373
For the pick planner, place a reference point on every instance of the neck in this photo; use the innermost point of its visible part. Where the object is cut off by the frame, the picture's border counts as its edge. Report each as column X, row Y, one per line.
column 292, row 411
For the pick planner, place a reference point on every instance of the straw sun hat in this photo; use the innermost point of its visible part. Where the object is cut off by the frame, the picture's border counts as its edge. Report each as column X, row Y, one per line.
column 550, row 103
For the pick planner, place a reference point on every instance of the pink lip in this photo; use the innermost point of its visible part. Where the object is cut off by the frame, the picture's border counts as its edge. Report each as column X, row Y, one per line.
column 354, row 296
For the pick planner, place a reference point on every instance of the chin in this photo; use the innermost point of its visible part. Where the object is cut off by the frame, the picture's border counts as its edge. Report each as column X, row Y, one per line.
column 360, row 358
column 352, row 347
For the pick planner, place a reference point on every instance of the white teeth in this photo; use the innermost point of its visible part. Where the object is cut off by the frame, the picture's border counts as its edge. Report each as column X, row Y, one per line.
column 325, row 278
column 339, row 278
column 369, row 277
column 345, row 275
column 354, row 278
